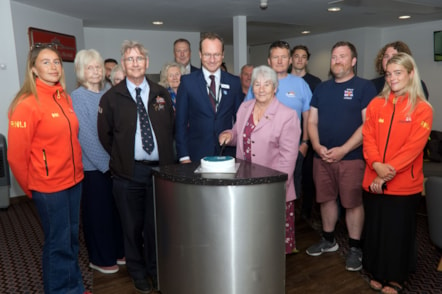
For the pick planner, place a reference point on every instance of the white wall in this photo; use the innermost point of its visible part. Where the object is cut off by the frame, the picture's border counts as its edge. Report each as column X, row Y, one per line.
column 158, row 43
column 368, row 41
column 9, row 80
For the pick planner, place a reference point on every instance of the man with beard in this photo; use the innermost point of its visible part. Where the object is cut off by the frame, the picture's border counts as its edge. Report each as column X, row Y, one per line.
column 335, row 129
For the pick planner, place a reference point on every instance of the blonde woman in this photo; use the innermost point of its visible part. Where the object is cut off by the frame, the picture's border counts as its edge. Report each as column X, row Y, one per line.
column 397, row 127
column 45, row 157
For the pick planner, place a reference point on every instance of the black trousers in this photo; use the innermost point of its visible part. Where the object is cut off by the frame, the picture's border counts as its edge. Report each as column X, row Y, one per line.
column 134, row 199
column 101, row 221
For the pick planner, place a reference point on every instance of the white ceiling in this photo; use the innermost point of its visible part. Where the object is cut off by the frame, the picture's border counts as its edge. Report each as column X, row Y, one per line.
column 282, row 19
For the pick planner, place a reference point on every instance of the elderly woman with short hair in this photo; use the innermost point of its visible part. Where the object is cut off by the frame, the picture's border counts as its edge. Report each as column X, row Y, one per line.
column 267, row 133
column 170, row 78
column 101, row 222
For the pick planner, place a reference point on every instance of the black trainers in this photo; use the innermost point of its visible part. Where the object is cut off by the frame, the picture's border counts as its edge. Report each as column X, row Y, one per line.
column 353, row 262
column 322, row 246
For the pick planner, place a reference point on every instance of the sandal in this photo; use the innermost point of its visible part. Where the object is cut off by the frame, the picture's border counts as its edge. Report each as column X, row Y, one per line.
column 392, row 288
column 376, row 285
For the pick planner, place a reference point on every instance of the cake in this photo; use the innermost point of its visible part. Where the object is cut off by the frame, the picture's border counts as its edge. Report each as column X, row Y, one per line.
column 218, row 164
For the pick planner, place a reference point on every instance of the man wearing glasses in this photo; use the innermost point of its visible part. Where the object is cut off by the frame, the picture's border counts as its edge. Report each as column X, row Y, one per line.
column 206, row 104
column 135, row 126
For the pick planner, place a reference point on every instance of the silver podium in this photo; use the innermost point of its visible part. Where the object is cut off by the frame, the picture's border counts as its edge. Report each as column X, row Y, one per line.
column 217, row 235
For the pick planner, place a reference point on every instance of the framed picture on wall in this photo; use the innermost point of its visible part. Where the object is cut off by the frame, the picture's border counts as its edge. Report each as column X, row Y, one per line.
column 65, row 44
column 437, row 46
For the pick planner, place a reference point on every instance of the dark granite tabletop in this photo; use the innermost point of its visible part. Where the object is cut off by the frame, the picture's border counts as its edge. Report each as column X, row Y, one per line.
column 247, row 174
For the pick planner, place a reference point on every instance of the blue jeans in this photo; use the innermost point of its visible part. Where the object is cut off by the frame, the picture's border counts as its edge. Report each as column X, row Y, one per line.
column 60, row 214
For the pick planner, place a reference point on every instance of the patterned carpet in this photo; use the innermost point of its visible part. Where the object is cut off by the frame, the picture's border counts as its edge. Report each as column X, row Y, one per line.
column 426, row 279
column 21, row 242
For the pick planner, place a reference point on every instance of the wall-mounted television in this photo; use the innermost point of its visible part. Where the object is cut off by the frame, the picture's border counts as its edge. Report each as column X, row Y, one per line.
column 437, row 46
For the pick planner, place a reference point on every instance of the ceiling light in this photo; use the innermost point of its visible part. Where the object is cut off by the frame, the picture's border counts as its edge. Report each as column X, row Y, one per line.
column 334, row 9
column 305, row 32
column 404, row 17
column 157, row 22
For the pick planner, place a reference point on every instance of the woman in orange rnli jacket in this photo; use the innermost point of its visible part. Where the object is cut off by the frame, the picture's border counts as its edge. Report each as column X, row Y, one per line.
column 45, row 157
column 397, row 127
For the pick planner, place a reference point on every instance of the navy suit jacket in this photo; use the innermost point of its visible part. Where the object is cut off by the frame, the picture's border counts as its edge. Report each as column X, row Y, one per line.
column 193, row 68
column 197, row 124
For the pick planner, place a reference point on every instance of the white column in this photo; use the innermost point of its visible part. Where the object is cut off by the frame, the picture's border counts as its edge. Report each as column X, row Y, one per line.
column 240, row 49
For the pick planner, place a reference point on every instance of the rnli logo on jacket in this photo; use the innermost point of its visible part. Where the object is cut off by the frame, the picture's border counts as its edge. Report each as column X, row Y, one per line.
column 407, row 119
column 55, row 114
column 18, row 124
column 348, row 94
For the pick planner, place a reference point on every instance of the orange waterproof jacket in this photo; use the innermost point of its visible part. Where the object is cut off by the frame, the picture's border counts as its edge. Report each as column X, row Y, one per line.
column 43, row 148
column 392, row 135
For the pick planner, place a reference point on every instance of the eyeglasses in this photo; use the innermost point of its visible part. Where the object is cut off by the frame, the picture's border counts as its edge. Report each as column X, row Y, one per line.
column 43, row 45
column 214, row 55
column 133, row 59
column 280, row 44
column 92, row 68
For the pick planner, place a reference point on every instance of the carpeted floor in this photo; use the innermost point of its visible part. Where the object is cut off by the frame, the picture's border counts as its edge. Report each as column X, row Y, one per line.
column 21, row 242
column 426, row 279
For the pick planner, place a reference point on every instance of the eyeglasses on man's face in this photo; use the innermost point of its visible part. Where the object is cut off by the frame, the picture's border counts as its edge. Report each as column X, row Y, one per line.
column 214, row 55
column 132, row 59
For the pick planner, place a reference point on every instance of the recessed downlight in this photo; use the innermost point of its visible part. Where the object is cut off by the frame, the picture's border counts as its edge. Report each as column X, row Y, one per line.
column 334, row 9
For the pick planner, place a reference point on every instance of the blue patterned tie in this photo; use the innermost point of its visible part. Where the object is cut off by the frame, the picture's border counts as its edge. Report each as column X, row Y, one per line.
column 146, row 132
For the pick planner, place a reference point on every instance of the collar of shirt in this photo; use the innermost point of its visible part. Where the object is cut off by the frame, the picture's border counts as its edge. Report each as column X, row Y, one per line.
column 187, row 68
column 144, row 91
column 217, row 75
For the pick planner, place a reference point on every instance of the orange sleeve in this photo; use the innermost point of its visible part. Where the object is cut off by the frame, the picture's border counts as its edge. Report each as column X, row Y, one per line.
column 20, row 133
column 370, row 134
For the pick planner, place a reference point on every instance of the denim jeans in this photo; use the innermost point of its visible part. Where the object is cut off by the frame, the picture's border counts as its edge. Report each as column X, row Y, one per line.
column 60, row 214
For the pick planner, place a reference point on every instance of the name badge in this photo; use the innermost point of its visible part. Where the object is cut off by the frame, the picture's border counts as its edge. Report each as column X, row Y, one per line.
column 225, row 86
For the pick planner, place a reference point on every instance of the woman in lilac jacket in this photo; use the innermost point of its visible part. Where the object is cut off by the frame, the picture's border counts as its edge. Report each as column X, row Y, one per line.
column 270, row 135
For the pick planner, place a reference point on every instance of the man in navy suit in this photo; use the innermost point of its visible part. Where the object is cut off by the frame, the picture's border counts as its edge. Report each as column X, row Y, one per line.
column 201, row 113
column 181, row 51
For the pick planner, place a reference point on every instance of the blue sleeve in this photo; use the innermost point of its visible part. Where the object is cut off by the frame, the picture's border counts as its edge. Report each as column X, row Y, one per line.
column 249, row 95
column 91, row 147
column 307, row 97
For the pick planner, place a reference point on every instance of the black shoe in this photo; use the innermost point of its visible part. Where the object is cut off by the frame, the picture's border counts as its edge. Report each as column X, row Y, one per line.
column 143, row 286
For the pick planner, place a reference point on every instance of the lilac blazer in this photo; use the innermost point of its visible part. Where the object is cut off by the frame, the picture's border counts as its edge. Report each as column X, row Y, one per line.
column 275, row 140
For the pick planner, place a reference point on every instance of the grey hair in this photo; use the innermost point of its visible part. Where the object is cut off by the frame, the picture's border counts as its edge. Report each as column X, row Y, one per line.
column 265, row 72
column 164, row 72
column 129, row 44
